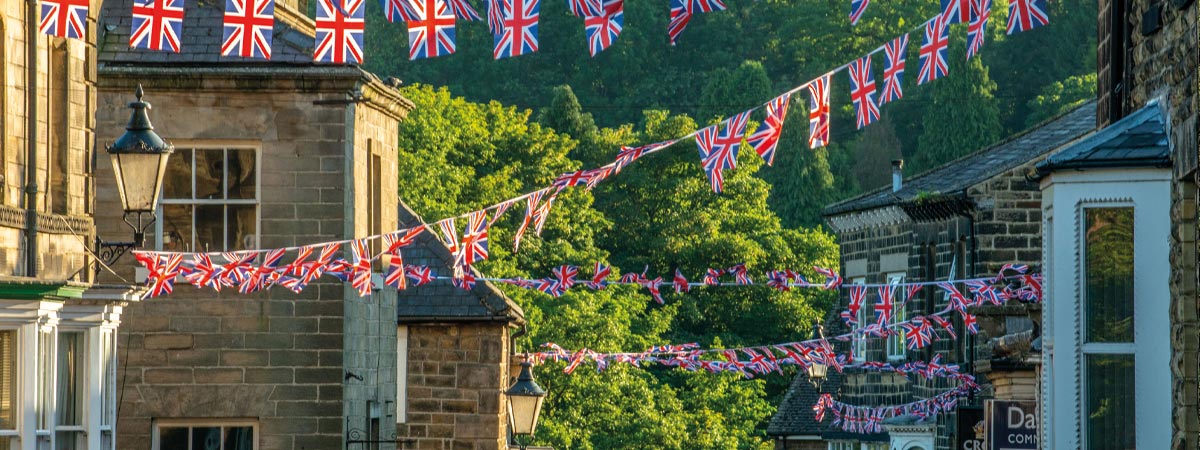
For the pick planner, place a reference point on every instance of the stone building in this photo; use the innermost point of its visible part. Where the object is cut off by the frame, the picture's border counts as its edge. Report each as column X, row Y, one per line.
column 1134, row 181
column 268, row 154
column 455, row 357
column 57, row 328
column 964, row 219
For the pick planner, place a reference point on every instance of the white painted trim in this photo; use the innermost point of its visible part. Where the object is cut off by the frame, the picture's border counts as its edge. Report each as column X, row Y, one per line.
column 206, row 422
column 225, row 146
column 402, row 374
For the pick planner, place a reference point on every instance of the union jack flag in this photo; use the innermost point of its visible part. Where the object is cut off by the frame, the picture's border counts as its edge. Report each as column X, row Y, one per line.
column 780, row 280
column 680, row 16
column 818, row 116
column 360, row 268
column 394, row 276
column 604, row 28
column 857, row 8
column 432, row 34
column 652, row 286
column 984, row 291
column 850, row 319
column 1025, row 15
column 463, row 10
column 419, row 274
column 628, row 155
column 958, row 302
column 599, row 273
column 934, row 48
column 475, row 239
column 248, row 28
column 519, row 32
column 945, row 324
column 157, row 24
column 862, row 91
column 858, row 294
column 719, row 151
column 569, row 179
column 65, row 18
column 712, row 277
column 585, row 8
column 886, row 305
column 396, row 240
column 680, row 283
column 917, row 333
column 832, row 279
column 450, row 238
column 956, row 11
column 766, row 138
column 535, row 214
column 739, row 274
column 759, row 362
column 981, row 10
column 566, row 275
column 970, row 323
column 163, row 269
column 893, row 73
column 495, row 11
column 1018, row 268
column 339, row 31
column 237, row 266
column 463, row 278
column 549, row 286
column 204, row 273
column 911, row 292
column 264, row 275
column 398, row 10
column 1032, row 290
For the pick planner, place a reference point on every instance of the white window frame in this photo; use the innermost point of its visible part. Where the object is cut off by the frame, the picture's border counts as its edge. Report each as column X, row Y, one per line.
column 858, row 343
column 1066, row 194
column 402, row 374
column 896, row 350
column 159, row 424
column 17, row 394
column 82, row 390
column 256, row 201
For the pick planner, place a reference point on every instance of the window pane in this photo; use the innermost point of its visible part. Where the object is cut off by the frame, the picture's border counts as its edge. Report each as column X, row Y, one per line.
column 69, row 440
column 8, row 379
column 1110, row 402
column 210, row 168
column 70, row 378
column 177, row 182
column 177, row 227
column 173, row 438
column 241, row 231
column 241, row 174
column 206, row 438
column 1109, row 271
column 239, row 438
column 210, row 228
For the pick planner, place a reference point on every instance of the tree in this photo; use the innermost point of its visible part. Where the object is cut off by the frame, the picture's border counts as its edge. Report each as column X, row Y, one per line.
column 963, row 114
column 1060, row 97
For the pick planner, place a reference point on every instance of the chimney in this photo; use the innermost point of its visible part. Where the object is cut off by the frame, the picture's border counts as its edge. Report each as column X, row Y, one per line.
column 897, row 174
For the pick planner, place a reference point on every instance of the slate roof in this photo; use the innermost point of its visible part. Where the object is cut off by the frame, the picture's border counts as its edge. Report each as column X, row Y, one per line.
column 1138, row 140
column 795, row 415
column 981, row 165
column 292, row 40
column 440, row 301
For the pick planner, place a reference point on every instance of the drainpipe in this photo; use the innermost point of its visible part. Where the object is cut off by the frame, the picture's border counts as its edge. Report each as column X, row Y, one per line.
column 897, row 174
column 31, row 137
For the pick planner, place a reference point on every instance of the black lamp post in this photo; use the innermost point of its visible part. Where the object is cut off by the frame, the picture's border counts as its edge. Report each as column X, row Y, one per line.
column 139, row 160
column 817, row 370
column 524, row 404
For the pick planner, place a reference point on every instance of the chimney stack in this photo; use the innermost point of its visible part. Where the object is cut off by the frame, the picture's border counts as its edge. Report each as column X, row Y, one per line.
column 897, row 174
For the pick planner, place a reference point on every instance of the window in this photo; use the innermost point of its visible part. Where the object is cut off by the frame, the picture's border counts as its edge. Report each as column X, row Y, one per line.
column 210, row 200
column 402, row 374
column 842, row 445
column 108, row 385
column 8, row 387
column 58, row 191
column 45, row 392
column 198, row 435
column 71, row 391
column 895, row 343
column 875, row 446
column 858, row 346
column 1108, row 332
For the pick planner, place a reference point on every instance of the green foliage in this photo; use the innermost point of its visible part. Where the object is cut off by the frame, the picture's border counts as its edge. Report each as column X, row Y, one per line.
column 964, row 115
column 1061, row 96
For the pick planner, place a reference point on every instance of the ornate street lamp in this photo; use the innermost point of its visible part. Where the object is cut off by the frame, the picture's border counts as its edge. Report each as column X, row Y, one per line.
column 139, row 160
column 524, row 404
column 817, row 370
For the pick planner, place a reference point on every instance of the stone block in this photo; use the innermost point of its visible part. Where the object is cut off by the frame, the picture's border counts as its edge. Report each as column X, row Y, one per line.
column 245, row 324
column 331, row 358
column 319, row 341
column 269, row 376
column 472, row 426
column 330, row 392
column 323, row 375
column 220, row 341
column 168, row 341
column 269, row 340
column 218, row 376
column 309, row 408
column 168, row 376
column 478, row 376
column 294, row 393
column 192, row 358
column 293, row 358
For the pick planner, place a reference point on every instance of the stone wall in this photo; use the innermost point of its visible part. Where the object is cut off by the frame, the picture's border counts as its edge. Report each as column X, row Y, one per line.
column 1008, row 220
column 456, row 374
column 1162, row 65
column 66, row 95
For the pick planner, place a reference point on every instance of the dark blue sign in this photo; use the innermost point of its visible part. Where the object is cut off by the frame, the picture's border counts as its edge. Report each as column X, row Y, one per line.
column 1011, row 425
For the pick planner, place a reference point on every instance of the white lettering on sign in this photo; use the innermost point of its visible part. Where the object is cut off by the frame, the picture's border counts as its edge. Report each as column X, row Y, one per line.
column 973, row 445
column 1018, row 419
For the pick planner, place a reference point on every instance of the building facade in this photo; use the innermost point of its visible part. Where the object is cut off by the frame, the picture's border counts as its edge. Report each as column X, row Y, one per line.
column 268, row 154
column 962, row 220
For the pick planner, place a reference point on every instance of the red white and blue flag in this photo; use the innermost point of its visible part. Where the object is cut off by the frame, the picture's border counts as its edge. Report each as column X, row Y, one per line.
column 628, row 155
column 680, row 283
column 565, row 275
column 970, row 323
column 450, row 239
column 398, row 10
column 718, row 151
column 1025, row 15
column 958, row 302
column 934, row 48
column 893, row 73
column 599, row 273
column 495, row 12
column 394, row 276
column 945, row 324
column 65, row 18
column 396, row 240
column 712, row 277
column 766, row 138
column 681, row 14
column 163, row 269
column 339, row 38
column 519, row 31
column 885, row 308
column 862, row 91
column 463, row 278
column 956, row 11
column 419, row 274
column 585, row 8
column 917, row 333
column 981, row 10
column 740, row 275
column 857, row 8
column 652, row 286
column 360, row 267
column 532, row 212
column 248, row 28
column 157, row 24
column 475, row 239
column 604, row 28
column 463, row 10
column 984, row 291
column 818, row 115
column 432, row 34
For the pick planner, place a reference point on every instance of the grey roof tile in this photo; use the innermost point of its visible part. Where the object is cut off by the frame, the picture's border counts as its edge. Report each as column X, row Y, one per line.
column 1138, row 140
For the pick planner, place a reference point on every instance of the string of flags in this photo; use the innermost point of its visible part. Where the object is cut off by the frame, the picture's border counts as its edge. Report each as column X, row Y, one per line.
column 247, row 27
column 869, row 419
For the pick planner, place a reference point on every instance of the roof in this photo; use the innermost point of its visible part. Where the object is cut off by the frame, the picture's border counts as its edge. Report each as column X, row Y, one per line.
column 1138, row 140
column 795, row 415
column 440, row 301
column 978, row 167
column 200, row 41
